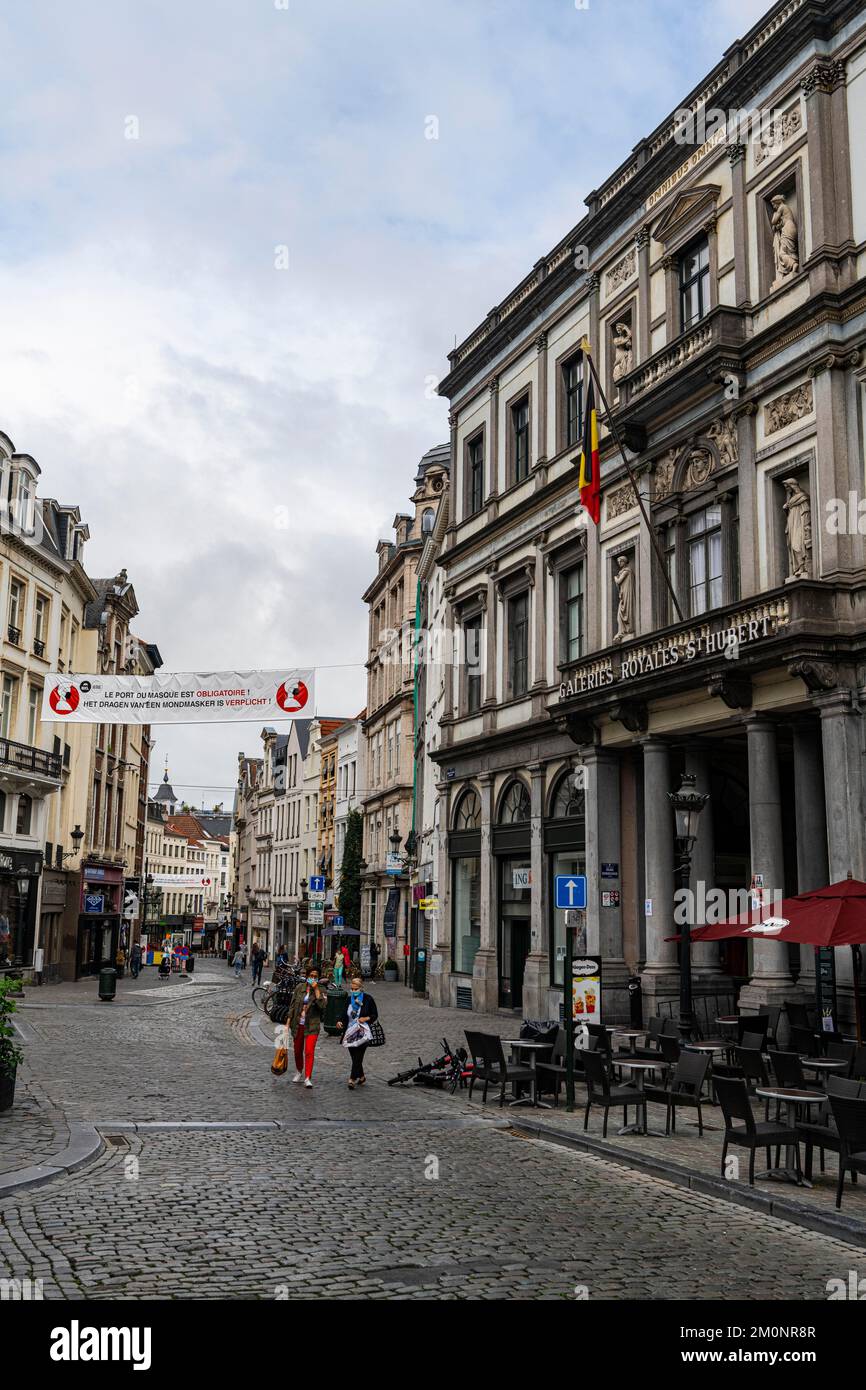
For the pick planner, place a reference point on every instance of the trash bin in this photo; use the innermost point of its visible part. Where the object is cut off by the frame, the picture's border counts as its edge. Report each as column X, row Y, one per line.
column 107, row 983
column 190, row 964
column 635, row 1001
column 335, row 1007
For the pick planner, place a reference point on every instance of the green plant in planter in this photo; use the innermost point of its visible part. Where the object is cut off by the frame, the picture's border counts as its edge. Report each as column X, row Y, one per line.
column 10, row 1053
column 391, row 965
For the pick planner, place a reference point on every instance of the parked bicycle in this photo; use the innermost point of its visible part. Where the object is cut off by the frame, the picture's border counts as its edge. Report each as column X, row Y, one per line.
column 284, row 979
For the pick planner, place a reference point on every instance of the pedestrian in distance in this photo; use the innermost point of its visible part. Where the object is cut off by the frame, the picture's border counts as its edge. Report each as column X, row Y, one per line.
column 339, row 967
column 374, row 959
column 305, row 1020
column 165, row 966
column 258, row 963
column 361, row 1008
column 135, row 960
column 238, row 963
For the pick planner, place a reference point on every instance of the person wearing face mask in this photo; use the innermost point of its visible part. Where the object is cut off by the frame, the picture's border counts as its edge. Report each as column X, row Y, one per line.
column 361, row 1008
column 305, row 1021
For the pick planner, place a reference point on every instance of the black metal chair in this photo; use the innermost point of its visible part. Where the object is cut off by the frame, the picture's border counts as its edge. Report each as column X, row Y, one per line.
column 821, row 1133
column 502, row 1069
column 553, row 1070
column 600, row 1091
column 733, row 1096
column 841, row 1052
column 788, row 1071
column 804, row 1041
column 798, row 1014
column 685, row 1088
column 481, row 1070
column 850, row 1117
column 755, row 1026
column 773, row 1013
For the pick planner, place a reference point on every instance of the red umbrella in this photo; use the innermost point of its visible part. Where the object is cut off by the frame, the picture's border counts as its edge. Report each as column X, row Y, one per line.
column 832, row 916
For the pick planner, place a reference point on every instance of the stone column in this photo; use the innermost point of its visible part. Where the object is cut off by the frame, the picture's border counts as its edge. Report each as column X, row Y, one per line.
column 830, row 204
column 839, row 472
column 536, row 975
column 811, row 824
column 492, row 460
column 644, row 337
column 485, row 972
column 661, row 976
column 737, row 157
column 539, row 614
column 771, row 978
column 842, row 743
column 745, row 421
column 705, row 954
column 541, row 435
column 604, row 845
column 439, row 968
column 490, row 616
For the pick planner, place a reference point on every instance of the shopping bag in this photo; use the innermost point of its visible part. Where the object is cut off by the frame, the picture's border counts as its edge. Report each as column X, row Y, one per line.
column 281, row 1061
column 356, row 1034
column 377, row 1034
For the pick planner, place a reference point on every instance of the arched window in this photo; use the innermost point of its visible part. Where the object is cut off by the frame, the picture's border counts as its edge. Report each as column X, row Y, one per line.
column 428, row 516
column 468, row 813
column 515, row 806
column 567, row 800
column 25, row 814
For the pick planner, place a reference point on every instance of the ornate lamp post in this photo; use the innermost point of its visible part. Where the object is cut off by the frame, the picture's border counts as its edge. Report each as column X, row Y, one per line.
column 687, row 804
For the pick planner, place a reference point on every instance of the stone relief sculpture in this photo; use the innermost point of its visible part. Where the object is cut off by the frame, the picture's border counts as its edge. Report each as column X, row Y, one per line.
column 624, row 581
column 622, row 271
column 623, row 350
column 790, row 407
column 699, row 469
column 723, row 433
column 663, row 476
column 798, row 530
column 786, row 241
column 621, row 500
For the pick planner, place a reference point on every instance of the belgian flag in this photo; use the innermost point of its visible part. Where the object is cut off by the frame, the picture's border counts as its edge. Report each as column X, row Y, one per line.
column 588, row 476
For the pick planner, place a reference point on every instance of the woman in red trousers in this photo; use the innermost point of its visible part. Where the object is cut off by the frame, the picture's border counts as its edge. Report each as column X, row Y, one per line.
column 305, row 1021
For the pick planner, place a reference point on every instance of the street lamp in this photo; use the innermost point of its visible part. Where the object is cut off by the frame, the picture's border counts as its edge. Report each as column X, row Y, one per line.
column 76, row 836
column 688, row 804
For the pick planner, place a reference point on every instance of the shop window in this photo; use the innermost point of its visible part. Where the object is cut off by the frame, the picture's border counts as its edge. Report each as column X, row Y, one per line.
column 468, row 813
column 466, row 912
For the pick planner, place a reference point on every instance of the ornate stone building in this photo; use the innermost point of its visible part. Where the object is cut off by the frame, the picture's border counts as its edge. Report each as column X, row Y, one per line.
column 719, row 277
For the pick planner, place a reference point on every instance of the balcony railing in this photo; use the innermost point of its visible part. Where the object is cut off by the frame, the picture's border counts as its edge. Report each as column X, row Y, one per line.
column 23, row 758
column 14, row 634
column 38, row 647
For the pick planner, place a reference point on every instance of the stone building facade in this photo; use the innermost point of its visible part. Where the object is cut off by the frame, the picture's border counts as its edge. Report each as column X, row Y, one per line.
column 719, row 277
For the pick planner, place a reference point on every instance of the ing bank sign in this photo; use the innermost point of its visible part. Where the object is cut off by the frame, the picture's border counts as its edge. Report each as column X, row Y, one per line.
column 752, row 626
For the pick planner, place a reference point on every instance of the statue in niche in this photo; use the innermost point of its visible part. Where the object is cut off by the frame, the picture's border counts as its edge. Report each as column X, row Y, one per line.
column 786, row 241
column 623, row 349
column 624, row 580
column 798, row 530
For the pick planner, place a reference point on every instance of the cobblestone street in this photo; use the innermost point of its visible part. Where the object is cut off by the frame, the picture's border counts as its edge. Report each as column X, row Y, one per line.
column 389, row 1192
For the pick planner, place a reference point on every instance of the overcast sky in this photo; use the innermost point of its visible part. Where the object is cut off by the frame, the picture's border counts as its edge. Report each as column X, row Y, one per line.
column 237, row 434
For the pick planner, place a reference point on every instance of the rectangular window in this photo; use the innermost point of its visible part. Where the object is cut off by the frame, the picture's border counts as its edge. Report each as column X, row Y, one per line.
column 7, row 707
column 705, row 560
column 475, row 475
column 694, row 276
column 16, row 608
column 572, row 613
column 40, row 626
column 572, row 402
column 518, row 645
column 466, row 922
column 474, row 674
column 520, row 439
column 34, row 703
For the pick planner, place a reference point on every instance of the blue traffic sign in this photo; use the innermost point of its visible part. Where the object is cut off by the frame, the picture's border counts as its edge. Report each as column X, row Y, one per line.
column 337, row 920
column 317, row 883
column 570, row 890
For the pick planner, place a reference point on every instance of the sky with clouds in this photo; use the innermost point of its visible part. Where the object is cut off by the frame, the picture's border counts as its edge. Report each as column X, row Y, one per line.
column 240, row 422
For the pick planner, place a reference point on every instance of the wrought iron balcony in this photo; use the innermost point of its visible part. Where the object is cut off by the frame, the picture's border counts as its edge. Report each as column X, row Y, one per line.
column 14, row 634
column 23, row 758
column 38, row 647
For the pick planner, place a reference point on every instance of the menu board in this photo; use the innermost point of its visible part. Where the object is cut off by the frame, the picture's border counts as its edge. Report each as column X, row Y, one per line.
column 586, row 989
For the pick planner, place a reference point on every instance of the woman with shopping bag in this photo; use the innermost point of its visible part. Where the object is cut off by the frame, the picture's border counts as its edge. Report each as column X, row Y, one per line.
column 360, row 1028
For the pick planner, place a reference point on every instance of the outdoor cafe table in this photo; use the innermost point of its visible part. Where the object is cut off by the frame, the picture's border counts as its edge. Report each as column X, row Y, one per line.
column 641, row 1065
column 824, row 1064
column 790, row 1098
column 632, row 1034
column 533, row 1048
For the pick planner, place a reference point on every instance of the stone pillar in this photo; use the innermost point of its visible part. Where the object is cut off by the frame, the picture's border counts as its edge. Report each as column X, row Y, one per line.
column 839, row 472
column 439, row 968
column 661, row 976
column 642, row 245
column 811, row 824
column 737, row 157
column 771, row 978
column 492, row 460
column 744, row 417
column 705, row 954
column 541, row 436
column 485, row 972
column 490, row 616
column 830, row 203
column 604, row 845
column 536, row 975
column 842, row 743
column 540, row 611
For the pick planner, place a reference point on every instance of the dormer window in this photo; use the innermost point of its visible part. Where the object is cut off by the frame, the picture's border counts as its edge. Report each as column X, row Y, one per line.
column 428, row 517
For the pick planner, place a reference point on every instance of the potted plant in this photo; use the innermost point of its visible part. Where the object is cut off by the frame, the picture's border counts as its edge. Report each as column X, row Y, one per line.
column 390, row 971
column 10, row 1053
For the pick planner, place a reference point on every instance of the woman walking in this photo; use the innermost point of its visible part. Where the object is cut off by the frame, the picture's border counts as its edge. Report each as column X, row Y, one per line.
column 361, row 1008
column 339, row 967
column 305, row 1020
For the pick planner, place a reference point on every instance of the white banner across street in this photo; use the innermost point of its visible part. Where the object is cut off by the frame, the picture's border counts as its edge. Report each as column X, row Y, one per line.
column 178, row 881
column 178, row 697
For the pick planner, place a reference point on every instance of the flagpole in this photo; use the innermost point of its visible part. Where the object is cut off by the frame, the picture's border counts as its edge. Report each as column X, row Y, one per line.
column 632, row 479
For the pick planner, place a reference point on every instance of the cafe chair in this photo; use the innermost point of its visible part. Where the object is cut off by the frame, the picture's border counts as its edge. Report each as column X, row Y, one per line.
column 599, row 1091
column 822, row 1134
column 752, row 1134
column 497, row 1067
column 850, row 1117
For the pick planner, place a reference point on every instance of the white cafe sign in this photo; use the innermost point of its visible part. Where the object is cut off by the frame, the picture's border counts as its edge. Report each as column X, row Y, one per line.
column 743, row 629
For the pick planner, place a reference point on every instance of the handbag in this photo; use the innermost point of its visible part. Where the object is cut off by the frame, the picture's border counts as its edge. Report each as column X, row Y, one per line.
column 281, row 1061
column 377, row 1034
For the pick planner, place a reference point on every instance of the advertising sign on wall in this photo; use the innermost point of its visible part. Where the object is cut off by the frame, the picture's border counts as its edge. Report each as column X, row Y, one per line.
column 586, row 989
column 178, row 697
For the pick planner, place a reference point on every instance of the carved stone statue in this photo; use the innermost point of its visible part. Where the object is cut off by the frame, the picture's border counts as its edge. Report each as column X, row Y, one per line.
column 624, row 581
column 723, row 433
column 786, row 241
column 623, row 351
column 798, row 530
column 699, row 469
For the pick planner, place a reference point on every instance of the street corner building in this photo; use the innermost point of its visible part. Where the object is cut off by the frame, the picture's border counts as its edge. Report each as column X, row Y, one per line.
column 718, row 281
